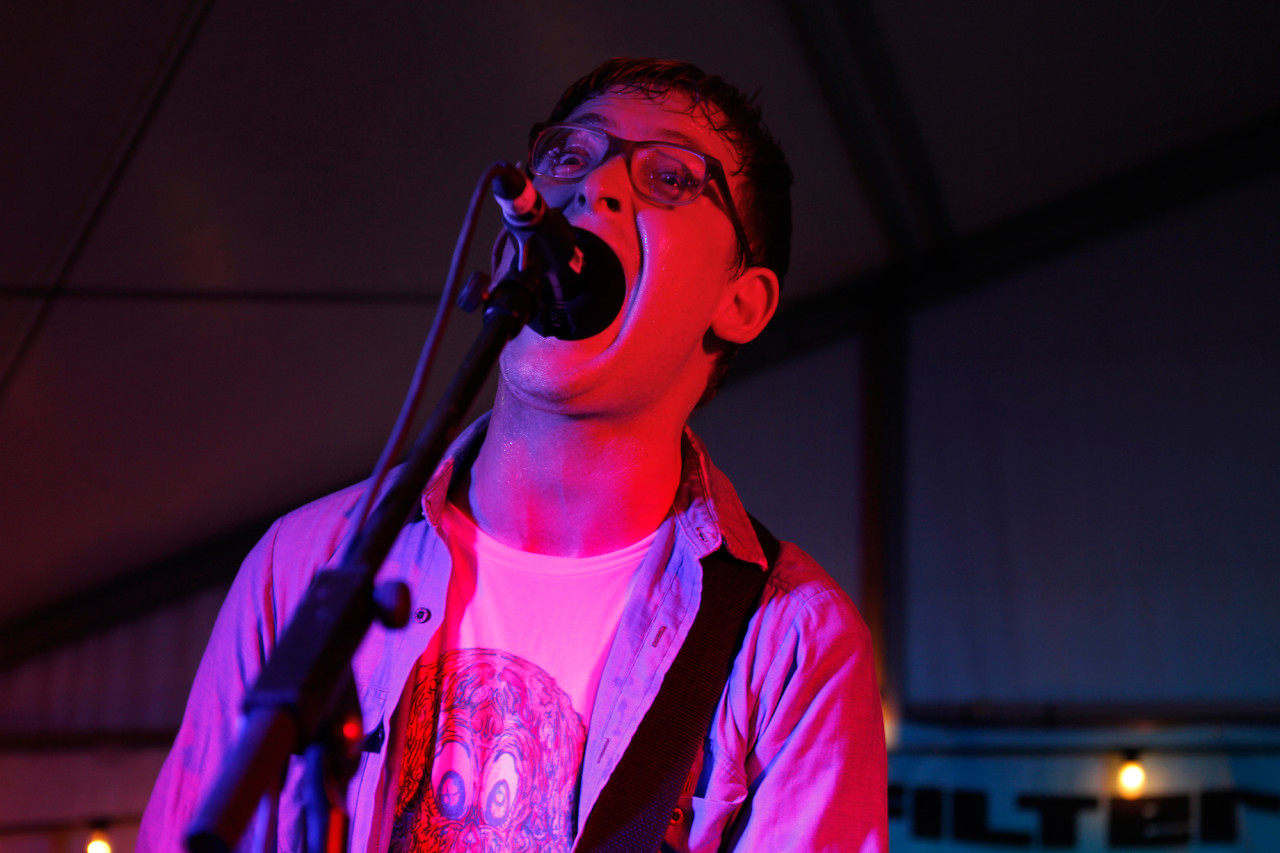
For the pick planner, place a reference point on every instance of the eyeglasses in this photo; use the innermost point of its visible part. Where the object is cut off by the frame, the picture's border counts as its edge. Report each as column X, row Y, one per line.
column 661, row 172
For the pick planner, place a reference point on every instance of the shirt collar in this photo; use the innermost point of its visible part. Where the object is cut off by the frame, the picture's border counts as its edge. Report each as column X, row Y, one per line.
column 707, row 508
column 460, row 452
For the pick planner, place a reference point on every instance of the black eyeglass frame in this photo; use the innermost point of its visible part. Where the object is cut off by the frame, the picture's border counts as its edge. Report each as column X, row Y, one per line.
column 626, row 147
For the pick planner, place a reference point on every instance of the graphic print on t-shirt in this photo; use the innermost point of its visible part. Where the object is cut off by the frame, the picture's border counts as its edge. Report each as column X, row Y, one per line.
column 491, row 755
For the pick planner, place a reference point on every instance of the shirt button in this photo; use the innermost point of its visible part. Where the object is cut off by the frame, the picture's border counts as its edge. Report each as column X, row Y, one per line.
column 422, row 614
column 677, row 816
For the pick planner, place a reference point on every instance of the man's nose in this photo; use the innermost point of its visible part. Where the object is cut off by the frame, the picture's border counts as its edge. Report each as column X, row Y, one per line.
column 608, row 184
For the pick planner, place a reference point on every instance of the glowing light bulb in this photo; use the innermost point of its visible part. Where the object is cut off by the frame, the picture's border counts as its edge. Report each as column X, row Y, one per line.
column 889, row 713
column 98, row 843
column 351, row 730
column 1131, row 779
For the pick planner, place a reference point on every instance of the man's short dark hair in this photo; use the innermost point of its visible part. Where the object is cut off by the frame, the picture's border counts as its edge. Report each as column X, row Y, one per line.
column 765, row 207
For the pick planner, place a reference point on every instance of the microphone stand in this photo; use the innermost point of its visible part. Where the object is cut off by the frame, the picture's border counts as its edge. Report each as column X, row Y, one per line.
column 305, row 698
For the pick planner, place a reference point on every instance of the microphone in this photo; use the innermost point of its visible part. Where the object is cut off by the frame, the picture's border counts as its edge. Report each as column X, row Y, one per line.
column 582, row 282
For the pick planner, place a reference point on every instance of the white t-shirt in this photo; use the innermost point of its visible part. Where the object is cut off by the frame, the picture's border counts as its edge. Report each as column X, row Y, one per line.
column 496, row 722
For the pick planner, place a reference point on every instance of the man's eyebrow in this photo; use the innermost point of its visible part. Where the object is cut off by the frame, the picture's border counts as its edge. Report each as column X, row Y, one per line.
column 665, row 134
column 591, row 120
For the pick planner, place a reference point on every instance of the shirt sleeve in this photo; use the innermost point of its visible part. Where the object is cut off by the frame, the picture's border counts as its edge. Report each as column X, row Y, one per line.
column 242, row 635
column 800, row 752
column 818, row 772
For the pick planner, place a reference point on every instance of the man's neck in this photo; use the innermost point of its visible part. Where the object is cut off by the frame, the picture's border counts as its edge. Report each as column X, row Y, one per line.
column 575, row 487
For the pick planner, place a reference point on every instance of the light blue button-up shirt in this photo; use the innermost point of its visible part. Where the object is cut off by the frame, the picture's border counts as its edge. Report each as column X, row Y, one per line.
column 794, row 758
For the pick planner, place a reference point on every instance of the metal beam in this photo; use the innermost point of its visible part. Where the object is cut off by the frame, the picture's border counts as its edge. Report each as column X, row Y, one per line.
column 853, row 68
column 1198, row 172
column 126, row 598
column 137, row 124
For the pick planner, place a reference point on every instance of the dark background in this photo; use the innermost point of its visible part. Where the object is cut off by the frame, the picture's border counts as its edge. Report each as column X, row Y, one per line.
column 1021, row 398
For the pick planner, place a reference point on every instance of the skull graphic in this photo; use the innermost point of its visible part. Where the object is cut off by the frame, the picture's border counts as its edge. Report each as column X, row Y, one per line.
column 491, row 756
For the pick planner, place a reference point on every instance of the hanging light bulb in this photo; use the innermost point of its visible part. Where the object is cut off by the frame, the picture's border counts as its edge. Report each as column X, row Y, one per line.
column 1132, row 777
column 889, row 712
column 98, row 841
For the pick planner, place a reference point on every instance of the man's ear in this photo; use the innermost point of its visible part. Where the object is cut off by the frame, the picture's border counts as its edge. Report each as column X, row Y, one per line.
column 747, row 305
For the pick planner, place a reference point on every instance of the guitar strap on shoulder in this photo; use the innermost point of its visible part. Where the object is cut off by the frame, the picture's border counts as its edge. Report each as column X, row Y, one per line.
column 638, row 801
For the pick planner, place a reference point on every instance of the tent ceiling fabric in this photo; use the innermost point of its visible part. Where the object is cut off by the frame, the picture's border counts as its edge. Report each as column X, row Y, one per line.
column 226, row 329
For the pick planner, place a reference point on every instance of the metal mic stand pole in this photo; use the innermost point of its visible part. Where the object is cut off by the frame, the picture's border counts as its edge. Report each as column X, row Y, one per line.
column 305, row 691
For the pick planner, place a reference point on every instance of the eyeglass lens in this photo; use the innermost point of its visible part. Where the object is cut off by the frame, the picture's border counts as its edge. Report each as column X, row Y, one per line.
column 666, row 174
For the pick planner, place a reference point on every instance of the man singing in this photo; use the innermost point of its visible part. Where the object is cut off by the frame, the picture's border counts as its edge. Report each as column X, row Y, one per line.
column 558, row 561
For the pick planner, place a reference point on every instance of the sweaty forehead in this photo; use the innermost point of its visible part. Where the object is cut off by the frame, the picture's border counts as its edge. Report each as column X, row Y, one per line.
column 670, row 117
